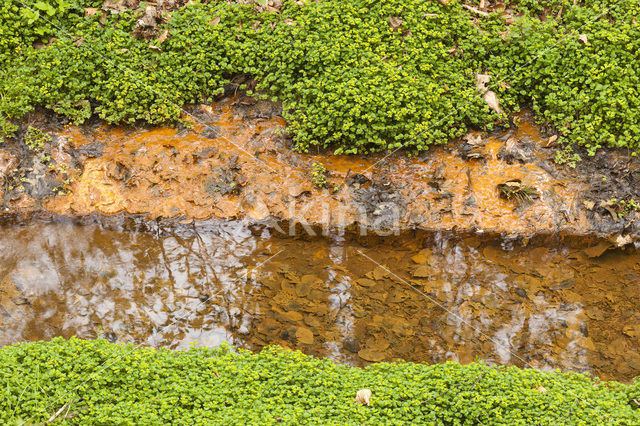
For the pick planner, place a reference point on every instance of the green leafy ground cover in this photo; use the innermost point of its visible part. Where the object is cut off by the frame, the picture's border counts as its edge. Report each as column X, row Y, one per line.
column 355, row 75
column 102, row 383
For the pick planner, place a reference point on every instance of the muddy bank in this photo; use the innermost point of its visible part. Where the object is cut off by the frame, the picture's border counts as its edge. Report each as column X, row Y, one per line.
column 235, row 161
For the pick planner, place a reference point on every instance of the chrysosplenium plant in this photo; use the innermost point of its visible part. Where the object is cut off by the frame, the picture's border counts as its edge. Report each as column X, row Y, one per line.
column 353, row 75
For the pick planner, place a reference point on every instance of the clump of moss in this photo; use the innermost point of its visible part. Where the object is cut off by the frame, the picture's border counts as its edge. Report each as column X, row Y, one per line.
column 318, row 175
column 35, row 139
column 354, row 75
column 90, row 382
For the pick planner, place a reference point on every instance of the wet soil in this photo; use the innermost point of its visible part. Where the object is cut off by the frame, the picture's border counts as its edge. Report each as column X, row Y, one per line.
column 236, row 161
column 422, row 296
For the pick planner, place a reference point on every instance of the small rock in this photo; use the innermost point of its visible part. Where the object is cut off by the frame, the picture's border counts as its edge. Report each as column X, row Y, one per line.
column 351, row 345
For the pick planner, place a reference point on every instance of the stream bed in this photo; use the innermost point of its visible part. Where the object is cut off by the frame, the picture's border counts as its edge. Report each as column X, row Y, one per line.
column 420, row 296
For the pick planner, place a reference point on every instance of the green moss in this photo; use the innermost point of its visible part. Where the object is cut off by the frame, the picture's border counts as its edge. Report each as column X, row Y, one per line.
column 116, row 384
column 35, row 139
column 319, row 175
column 354, row 75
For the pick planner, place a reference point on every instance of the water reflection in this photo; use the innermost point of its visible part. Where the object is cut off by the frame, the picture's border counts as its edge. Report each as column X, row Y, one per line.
column 543, row 307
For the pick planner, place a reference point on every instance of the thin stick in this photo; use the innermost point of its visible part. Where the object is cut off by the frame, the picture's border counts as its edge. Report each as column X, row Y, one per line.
column 57, row 413
column 474, row 10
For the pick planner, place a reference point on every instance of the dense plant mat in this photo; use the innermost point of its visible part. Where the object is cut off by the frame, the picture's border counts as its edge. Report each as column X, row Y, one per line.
column 99, row 382
column 354, row 75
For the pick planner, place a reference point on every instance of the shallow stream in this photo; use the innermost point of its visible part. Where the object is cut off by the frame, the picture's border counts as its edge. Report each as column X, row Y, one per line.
column 425, row 297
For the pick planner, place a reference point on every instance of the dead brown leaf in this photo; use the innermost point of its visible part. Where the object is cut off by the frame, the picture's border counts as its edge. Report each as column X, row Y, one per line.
column 365, row 282
column 542, row 389
column 492, row 100
column 215, row 21
column 90, row 11
column 304, row 336
column 363, row 397
column 395, row 22
column 610, row 206
column 583, row 38
column 114, row 6
column 371, row 355
column 163, row 36
column 474, row 10
column 422, row 271
column 488, row 95
column 597, row 250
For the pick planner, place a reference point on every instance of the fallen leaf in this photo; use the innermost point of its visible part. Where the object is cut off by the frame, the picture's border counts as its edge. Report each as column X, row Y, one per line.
column 379, row 273
column 163, row 36
column 481, row 82
column 395, row 22
column 371, row 355
column 542, row 389
column 622, row 240
column 365, row 282
column 589, row 204
column 551, row 141
column 488, row 95
column 363, row 397
column 215, row 21
column 471, row 139
column 610, row 207
column 156, row 48
column 114, row 6
column 474, row 10
column 583, row 38
column 422, row 271
column 304, row 336
column 492, row 100
column 90, row 11
column 597, row 250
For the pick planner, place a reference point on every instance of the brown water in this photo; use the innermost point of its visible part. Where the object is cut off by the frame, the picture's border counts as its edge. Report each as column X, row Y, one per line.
column 437, row 296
